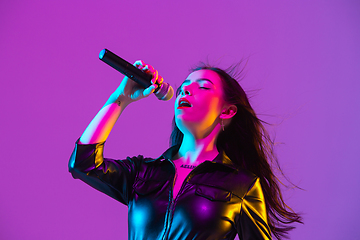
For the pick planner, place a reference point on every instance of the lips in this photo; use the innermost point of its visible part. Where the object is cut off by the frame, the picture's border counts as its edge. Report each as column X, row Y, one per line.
column 184, row 103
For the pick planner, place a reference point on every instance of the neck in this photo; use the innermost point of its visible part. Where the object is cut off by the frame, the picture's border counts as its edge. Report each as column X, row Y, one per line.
column 195, row 148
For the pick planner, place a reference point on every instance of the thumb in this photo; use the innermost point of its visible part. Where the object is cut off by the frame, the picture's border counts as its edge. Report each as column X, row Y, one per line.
column 149, row 90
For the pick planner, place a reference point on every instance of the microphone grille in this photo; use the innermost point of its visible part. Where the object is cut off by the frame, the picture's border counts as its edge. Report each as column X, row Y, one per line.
column 166, row 92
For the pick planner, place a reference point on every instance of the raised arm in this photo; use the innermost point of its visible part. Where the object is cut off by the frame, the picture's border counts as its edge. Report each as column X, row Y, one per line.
column 128, row 91
column 112, row 177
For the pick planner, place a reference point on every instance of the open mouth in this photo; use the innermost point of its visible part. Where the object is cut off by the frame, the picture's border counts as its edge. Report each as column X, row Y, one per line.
column 183, row 103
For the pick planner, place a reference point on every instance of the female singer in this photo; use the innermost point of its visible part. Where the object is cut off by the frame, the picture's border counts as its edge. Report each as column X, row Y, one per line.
column 215, row 181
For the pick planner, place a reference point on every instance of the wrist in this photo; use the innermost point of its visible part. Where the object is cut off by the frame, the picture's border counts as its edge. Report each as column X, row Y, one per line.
column 120, row 100
column 123, row 100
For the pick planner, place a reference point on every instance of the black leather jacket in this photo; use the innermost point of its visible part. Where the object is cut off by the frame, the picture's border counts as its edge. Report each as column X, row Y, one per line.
column 216, row 201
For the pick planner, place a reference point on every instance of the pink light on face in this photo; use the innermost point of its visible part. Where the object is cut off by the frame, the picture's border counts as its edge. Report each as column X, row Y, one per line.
column 202, row 90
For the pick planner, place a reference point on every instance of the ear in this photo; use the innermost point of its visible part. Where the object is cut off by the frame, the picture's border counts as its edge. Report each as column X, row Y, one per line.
column 228, row 112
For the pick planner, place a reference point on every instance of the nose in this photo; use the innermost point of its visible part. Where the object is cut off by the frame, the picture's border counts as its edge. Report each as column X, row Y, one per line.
column 186, row 91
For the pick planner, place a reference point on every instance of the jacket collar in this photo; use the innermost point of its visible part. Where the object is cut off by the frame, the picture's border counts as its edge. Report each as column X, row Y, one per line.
column 221, row 158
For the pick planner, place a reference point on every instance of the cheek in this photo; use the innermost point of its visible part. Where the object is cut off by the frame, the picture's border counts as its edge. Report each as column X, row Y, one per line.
column 211, row 109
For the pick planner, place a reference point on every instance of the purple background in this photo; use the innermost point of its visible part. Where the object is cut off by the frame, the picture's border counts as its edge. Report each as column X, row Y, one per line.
column 304, row 65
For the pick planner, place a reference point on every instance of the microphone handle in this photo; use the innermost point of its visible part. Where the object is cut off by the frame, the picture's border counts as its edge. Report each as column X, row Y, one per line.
column 126, row 68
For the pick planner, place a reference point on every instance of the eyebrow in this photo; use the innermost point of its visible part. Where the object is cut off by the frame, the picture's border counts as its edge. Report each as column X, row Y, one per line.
column 198, row 80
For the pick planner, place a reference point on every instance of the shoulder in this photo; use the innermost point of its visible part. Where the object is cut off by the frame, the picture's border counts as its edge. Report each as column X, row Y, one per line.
column 234, row 180
column 148, row 168
column 138, row 159
column 240, row 182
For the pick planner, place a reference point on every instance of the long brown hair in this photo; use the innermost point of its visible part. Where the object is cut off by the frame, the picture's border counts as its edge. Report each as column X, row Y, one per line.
column 248, row 144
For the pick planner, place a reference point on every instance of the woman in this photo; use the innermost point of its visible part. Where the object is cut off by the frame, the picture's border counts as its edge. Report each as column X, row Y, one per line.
column 213, row 183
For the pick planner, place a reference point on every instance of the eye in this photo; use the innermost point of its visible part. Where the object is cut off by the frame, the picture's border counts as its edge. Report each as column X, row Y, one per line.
column 204, row 88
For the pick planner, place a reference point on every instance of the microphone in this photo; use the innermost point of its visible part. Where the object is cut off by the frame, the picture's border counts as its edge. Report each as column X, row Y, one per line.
column 163, row 92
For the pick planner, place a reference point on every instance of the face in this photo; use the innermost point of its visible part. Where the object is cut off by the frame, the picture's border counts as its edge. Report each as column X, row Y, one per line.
column 200, row 101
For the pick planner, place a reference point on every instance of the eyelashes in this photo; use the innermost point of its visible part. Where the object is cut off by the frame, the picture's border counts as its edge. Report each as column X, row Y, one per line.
column 178, row 91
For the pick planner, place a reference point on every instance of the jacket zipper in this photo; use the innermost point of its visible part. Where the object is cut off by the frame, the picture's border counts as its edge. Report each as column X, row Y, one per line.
column 169, row 210
column 169, row 214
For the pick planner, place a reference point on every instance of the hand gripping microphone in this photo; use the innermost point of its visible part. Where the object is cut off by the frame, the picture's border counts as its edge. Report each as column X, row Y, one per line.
column 163, row 92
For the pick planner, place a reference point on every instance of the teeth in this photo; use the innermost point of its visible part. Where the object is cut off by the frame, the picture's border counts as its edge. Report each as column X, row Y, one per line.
column 185, row 104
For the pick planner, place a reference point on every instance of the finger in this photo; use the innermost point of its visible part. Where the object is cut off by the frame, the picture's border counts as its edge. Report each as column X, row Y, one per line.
column 160, row 80
column 150, row 69
column 155, row 78
column 149, row 90
column 139, row 64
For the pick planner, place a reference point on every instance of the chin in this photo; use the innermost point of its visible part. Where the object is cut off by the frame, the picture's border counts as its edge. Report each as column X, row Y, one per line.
column 183, row 124
column 186, row 118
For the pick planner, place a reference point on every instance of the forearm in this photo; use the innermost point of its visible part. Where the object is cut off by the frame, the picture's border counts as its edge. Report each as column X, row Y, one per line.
column 127, row 92
column 100, row 127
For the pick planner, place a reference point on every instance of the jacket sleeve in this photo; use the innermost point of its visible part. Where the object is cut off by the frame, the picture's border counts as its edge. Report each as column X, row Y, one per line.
column 252, row 220
column 112, row 177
